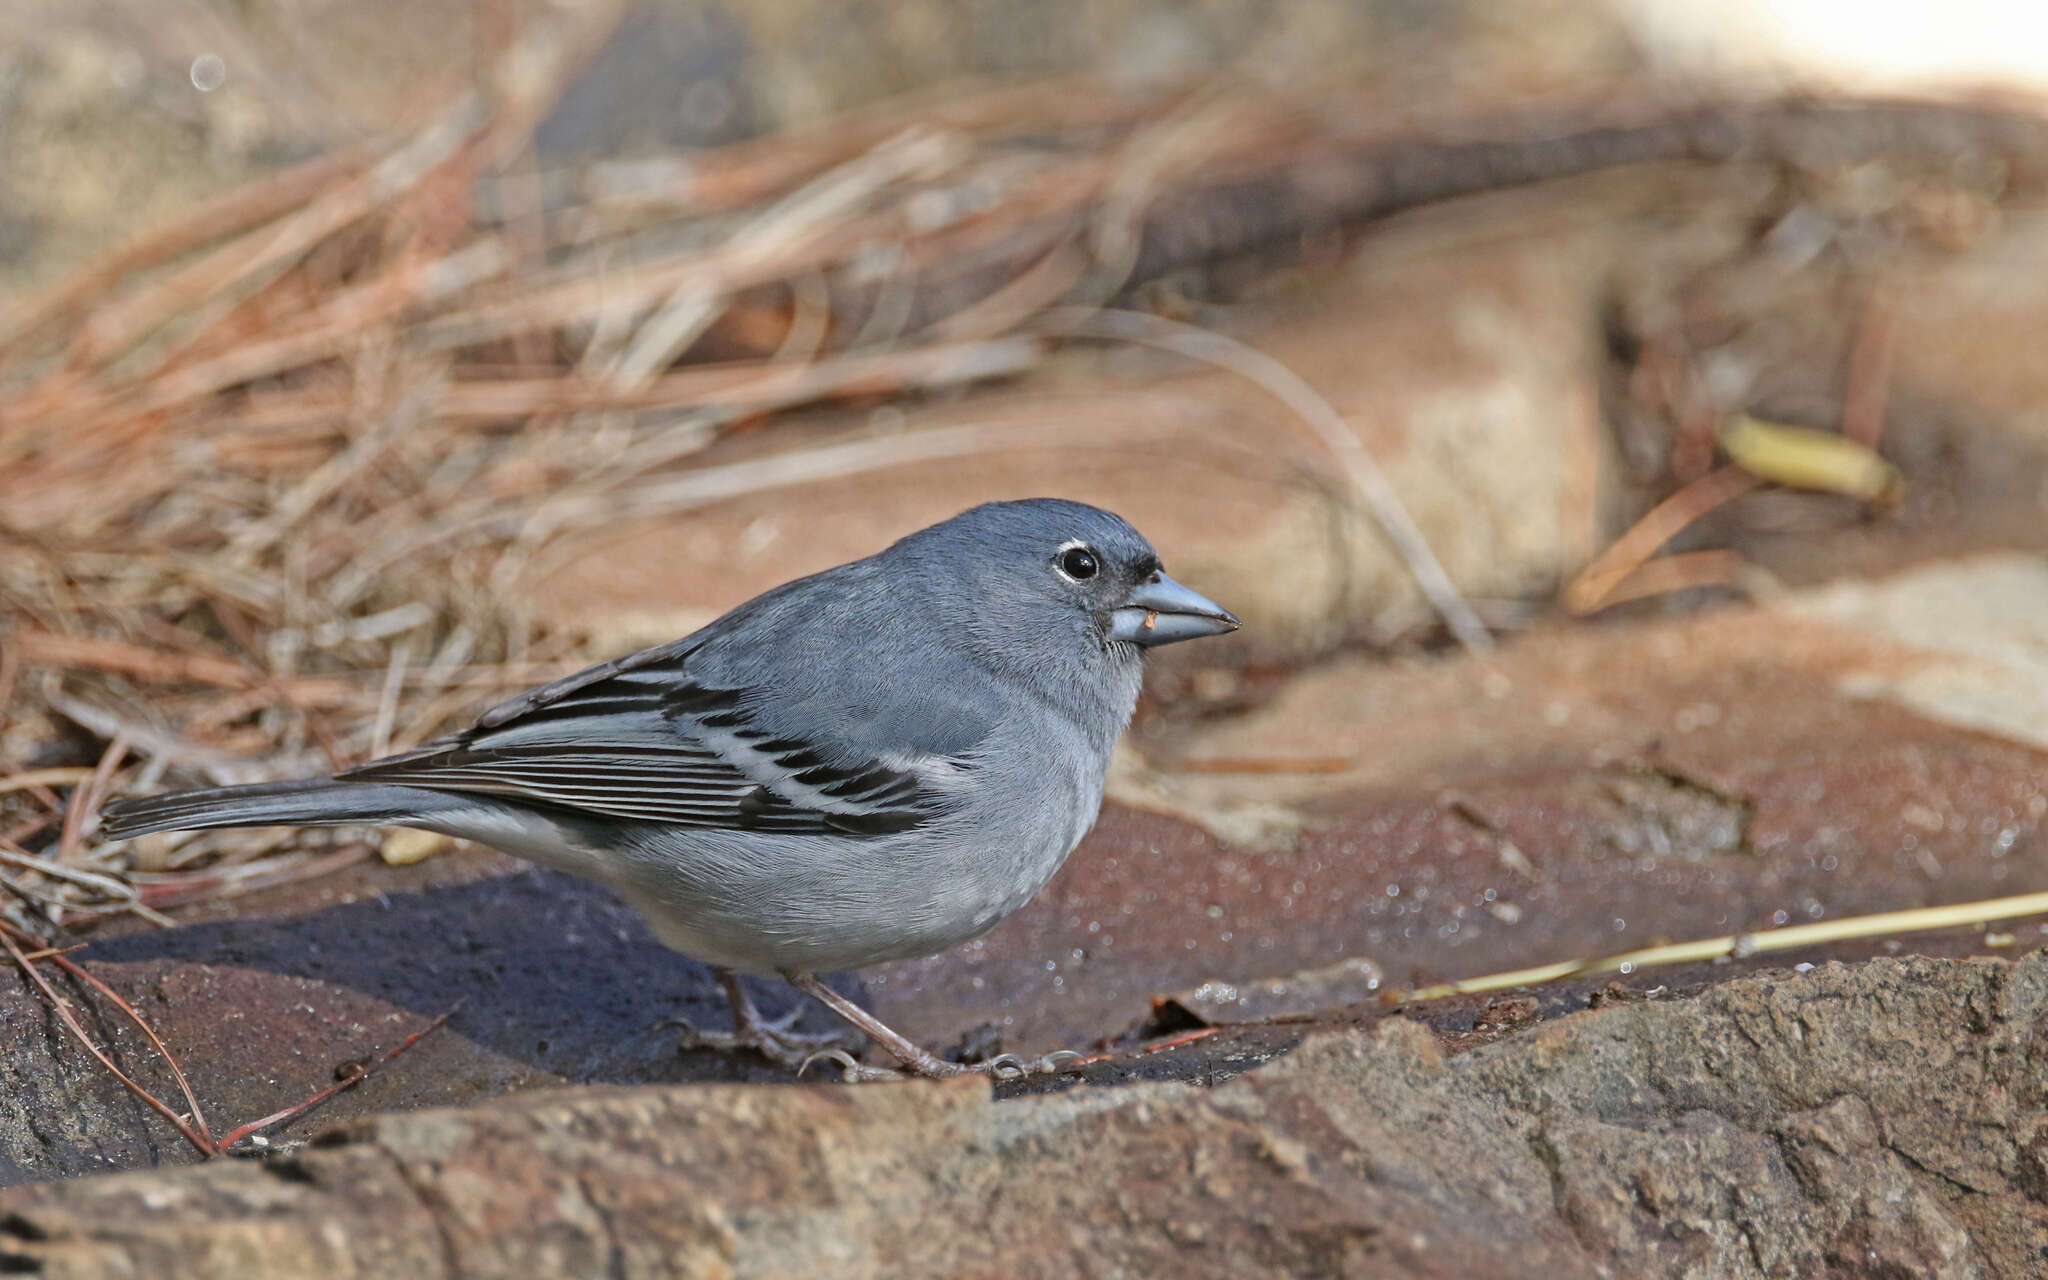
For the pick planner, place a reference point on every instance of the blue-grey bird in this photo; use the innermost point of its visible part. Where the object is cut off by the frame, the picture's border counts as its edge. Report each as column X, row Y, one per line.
column 872, row 763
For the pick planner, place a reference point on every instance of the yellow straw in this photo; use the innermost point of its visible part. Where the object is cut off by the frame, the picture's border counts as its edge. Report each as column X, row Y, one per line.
column 1744, row 944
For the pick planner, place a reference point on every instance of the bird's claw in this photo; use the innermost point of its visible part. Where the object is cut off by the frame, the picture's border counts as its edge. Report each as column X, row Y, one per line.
column 1008, row 1066
column 852, row 1070
column 689, row 1036
column 778, row 1041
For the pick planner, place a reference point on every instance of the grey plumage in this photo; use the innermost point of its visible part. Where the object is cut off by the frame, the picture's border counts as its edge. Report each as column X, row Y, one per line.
column 871, row 763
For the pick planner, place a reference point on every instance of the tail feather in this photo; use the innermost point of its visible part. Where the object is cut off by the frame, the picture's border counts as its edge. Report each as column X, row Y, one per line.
column 309, row 802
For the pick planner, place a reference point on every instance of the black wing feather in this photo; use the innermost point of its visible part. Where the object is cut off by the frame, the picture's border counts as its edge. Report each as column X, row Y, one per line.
column 614, row 740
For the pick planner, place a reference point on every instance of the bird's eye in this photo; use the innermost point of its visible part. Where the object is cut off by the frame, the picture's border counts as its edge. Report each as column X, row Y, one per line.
column 1079, row 563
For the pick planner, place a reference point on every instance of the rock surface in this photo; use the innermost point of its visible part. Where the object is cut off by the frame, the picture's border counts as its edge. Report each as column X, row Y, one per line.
column 1876, row 1119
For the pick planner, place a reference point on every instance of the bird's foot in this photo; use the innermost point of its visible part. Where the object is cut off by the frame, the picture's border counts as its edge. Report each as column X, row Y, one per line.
column 916, row 1059
column 851, row 1069
column 797, row 1052
column 1002, row 1067
column 775, row 1039
column 1008, row 1066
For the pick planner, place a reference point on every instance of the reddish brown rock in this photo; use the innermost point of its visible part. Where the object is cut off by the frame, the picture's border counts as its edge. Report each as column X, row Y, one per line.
column 1871, row 1119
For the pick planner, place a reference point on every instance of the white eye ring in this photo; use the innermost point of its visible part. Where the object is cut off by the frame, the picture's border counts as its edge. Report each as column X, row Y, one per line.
column 1076, row 561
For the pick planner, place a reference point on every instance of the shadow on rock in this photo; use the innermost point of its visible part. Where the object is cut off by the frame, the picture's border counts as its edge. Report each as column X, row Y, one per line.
column 539, row 968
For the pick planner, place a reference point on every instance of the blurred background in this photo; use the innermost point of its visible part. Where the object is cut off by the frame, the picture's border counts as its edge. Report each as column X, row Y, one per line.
column 1622, row 425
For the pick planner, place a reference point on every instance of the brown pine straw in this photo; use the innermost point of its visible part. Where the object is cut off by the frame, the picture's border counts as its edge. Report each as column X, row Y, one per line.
column 1868, row 382
column 194, row 1129
column 68, row 775
column 191, row 1124
column 228, row 214
column 1601, row 583
column 1679, row 571
column 87, row 798
column 1625, row 571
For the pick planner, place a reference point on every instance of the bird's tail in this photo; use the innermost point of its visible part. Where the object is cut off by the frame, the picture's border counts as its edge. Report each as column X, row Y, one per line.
column 309, row 802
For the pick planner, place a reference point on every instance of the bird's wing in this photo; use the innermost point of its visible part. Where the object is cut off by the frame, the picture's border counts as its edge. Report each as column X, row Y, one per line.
column 653, row 738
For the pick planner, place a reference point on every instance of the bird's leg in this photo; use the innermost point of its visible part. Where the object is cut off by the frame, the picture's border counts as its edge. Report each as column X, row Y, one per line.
column 777, row 1040
column 919, row 1060
column 916, row 1059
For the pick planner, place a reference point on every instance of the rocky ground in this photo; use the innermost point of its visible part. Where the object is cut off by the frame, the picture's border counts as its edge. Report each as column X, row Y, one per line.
column 1871, row 1119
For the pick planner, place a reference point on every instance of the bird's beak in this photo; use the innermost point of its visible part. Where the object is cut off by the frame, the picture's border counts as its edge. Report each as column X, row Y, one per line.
column 1161, row 611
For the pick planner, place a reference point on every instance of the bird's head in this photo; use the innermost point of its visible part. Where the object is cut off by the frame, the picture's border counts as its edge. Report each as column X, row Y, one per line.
column 1050, row 566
